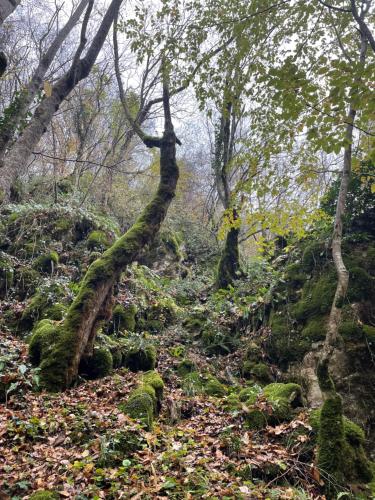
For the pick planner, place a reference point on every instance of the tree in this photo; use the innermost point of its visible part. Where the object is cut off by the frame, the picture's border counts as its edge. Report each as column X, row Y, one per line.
column 74, row 339
column 17, row 158
column 17, row 110
column 6, row 8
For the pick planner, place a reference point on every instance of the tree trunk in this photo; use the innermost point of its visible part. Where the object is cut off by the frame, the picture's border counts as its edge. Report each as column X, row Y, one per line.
column 6, row 8
column 332, row 337
column 17, row 110
column 75, row 337
column 17, row 159
column 229, row 264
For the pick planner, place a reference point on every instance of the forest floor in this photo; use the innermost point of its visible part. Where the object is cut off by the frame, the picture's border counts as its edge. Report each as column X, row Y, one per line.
column 71, row 442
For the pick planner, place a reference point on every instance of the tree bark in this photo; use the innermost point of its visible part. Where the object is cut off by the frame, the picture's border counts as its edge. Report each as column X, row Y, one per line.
column 332, row 336
column 229, row 263
column 18, row 110
column 6, row 8
column 16, row 161
column 75, row 337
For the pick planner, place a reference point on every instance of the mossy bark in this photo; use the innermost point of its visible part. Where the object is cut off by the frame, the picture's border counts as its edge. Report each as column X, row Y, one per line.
column 60, row 367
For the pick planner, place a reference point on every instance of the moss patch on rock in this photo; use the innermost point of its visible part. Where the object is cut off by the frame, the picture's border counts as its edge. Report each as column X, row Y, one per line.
column 123, row 317
column 139, row 355
column 98, row 365
column 46, row 263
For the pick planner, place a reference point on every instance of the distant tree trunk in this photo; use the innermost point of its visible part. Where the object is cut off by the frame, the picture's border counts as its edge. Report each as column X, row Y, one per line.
column 229, row 263
column 6, row 8
column 17, row 110
column 16, row 160
column 75, row 337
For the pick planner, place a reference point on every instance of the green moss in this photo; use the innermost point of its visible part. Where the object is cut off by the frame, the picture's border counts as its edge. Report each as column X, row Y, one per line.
column 369, row 332
column 314, row 255
column 231, row 403
column 173, row 241
column 315, row 330
column 140, row 406
column 249, row 394
column 46, row 263
column 253, row 352
column 139, row 356
column 55, row 312
column 361, row 285
column 341, row 452
column 27, row 280
column 214, row 388
column 295, row 275
column 317, row 297
column 97, row 240
column 283, row 398
column 351, row 331
column 255, row 419
column 153, row 379
column 123, row 317
column 262, row 373
column 44, row 495
column 186, row 366
column 41, row 339
column 147, row 389
column 98, row 365
column 331, row 438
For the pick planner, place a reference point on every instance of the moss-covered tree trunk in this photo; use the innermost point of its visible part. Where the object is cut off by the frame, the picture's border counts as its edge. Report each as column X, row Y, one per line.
column 75, row 337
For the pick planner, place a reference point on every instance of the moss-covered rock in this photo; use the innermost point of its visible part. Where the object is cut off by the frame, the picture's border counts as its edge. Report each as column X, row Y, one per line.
column 123, row 317
column 97, row 240
column 154, row 380
column 98, row 365
column 42, row 338
column 186, row 366
column 140, row 406
column 258, row 371
column 214, row 388
column 249, row 394
column 139, row 356
column 255, row 419
column 283, row 398
column 46, row 263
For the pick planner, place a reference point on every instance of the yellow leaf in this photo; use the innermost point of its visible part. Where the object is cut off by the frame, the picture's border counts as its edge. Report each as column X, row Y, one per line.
column 373, row 187
column 47, row 87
